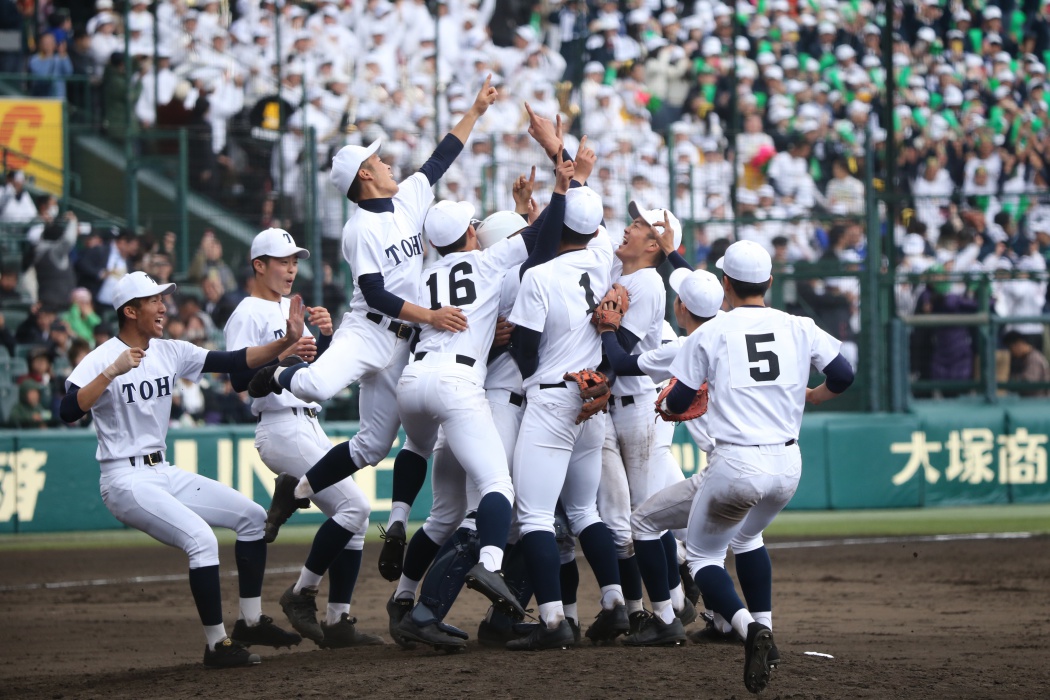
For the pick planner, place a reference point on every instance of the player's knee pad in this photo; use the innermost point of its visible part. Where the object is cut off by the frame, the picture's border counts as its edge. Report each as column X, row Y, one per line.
column 444, row 580
column 201, row 546
column 743, row 545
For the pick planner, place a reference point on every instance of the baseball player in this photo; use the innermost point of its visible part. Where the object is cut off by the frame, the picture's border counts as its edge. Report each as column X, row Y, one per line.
column 558, row 451
column 383, row 243
column 756, row 362
column 444, row 388
column 290, row 441
column 126, row 383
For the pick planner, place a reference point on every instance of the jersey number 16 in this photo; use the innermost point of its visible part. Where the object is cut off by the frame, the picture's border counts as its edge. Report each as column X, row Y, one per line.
column 459, row 291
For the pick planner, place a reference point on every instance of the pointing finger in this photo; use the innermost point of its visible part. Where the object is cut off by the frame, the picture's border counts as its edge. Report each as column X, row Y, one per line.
column 532, row 115
column 532, row 176
column 583, row 145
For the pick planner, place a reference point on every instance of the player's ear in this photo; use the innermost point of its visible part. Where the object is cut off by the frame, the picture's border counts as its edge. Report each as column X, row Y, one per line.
column 365, row 173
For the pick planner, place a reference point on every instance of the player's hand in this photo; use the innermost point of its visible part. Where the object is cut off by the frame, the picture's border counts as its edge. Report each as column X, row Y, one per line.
column 534, row 211
column 665, row 235
column 448, row 318
column 503, row 330
column 320, row 318
column 486, row 97
column 585, row 160
column 125, row 362
column 296, row 320
column 306, row 348
column 563, row 172
column 542, row 131
column 522, row 192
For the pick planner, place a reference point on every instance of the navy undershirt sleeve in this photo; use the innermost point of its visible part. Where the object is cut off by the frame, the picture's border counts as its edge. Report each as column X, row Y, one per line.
column 323, row 343
column 839, row 374
column 443, row 156
column 676, row 259
column 680, row 397
column 226, row 362
column 623, row 363
column 69, row 410
column 525, row 348
column 545, row 245
column 377, row 297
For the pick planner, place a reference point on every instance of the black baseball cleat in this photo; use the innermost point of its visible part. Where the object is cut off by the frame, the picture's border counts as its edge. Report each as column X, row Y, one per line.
column 229, row 654
column 710, row 634
column 263, row 384
column 265, row 633
column 435, row 635
column 493, row 586
column 392, row 556
column 757, row 646
column 344, row 634
column 282, row 505
column 687, row 614
column 655, row 632
column 541, row 638
column 689, row 587
column 396, row 610
column 636, row 620
column 609, row 624
column 493, row 635
column 773, row 657
column 301, row 610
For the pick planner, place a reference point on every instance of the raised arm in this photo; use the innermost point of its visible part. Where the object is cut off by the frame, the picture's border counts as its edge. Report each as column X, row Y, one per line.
column 452, row 145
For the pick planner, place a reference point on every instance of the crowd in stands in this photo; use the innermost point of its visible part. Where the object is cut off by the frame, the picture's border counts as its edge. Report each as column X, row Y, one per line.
column 787, row 100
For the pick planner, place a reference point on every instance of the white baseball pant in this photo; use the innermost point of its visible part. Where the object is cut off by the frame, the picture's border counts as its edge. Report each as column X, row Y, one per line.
column 667, row 509
column 178, row 508
column 292, row 443
column 743, row 490
column 614, row 493
column 555, row 458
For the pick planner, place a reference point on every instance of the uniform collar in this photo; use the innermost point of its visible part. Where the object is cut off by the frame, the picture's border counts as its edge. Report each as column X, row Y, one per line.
column 377, row 205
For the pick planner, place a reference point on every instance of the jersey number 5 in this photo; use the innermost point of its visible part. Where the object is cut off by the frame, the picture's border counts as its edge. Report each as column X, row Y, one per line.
column 756, row 357
column 461, row 290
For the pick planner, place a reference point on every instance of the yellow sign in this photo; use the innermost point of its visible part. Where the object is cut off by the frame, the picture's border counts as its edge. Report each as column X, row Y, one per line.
column 31, row 140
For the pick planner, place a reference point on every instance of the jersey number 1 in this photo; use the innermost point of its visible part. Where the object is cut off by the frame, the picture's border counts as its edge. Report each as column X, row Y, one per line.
column 460, row 291
column 592, row 301
column 756, row 357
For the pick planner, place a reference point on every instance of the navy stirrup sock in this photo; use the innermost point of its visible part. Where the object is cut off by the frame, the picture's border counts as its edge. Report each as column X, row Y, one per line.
column 336, row 465
column 207, row 594
column 493, row 520
column 674, row 576
column 755, row 572
column 342, row 575
column 410, row 471
column 653, row 566
column 541, row 552
column 329, row 542
column 718, row 591
column 251, row 566
column 598, row 547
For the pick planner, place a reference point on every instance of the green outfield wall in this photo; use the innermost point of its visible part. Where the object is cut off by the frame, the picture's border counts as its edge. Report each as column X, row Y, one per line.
column 949, row 454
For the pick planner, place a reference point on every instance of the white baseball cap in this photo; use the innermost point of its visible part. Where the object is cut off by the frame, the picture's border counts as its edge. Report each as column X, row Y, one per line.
column 497, row 227
column 348, row 161
column 699, row 290
column 138, row 285
column 277, row 243
column 656, row 216
column 447, row 221
column 746, row 261
column 583, row 210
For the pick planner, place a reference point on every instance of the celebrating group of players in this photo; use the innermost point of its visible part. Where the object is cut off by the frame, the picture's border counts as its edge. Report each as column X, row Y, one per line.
column 527, row 360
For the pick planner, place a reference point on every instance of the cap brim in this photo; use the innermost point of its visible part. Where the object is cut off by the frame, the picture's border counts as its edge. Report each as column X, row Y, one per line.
column 677, row 277
column 720, row 262
column 634, row 211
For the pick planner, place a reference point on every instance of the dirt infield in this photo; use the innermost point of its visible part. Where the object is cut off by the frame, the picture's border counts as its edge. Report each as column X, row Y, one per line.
column 965, row 619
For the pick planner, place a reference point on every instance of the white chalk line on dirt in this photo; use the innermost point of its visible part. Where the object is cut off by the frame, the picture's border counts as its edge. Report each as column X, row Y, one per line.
column 802, row 544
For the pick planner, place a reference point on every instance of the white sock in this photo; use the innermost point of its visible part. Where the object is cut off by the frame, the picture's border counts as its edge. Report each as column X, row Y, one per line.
column 612, row 596
column 664, row 611
column 681, row 552
column 406, row 588
column 303, row 489
column 765, row 618
column 307, row 579
column 251, row 610
column 634, row 606
column 572, row 612
column 214, row 634
column 335, row 612
column 720, row 622
column 491, row 557
column 678, row 597
column 398, row 513
column 741, row 620
column 552, row 613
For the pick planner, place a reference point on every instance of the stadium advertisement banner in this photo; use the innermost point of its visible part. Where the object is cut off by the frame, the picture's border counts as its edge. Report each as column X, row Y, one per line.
column 49, row 480
column 32, row 139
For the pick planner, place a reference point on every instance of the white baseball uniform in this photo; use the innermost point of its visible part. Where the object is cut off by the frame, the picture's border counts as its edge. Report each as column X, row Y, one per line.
column 553, row 456
column 756, row 363
column 444, row 386
column 366, row 347
column 288, row 436
column 138, row 485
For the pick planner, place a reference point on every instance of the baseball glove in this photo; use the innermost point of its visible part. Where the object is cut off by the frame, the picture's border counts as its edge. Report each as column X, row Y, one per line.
column 594, row 390
column 696, row 409
column 610, row 310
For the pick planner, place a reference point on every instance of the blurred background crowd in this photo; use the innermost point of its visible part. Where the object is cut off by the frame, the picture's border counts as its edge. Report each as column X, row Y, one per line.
column 771, row 120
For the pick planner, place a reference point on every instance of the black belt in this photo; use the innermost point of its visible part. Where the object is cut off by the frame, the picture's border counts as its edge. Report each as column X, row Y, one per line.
column 151, row 459
column 308, row 412
column 559, row 385
column 461, row 359
column 517, row 399
column 790, row 442
column 401, row 330
column 625, row 401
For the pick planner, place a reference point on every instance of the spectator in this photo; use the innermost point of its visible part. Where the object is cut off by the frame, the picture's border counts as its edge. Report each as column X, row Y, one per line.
column 40, row 371
column 102, row 333
column 951, row 354
column 845, row 192
column 16, row 204
column 208, row 261
column 59, row 338
column 217, row 304
column 78, row 350
column 36, row 328
column 50, row 243
column 100, row 267
column 6, row 339
column 1027, row 364
column 10, row 293
column 52, row 62
column 29, row 413
column 81, row 317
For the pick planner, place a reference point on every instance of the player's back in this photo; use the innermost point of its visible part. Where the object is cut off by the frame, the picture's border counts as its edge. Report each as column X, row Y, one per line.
column 757, row 363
